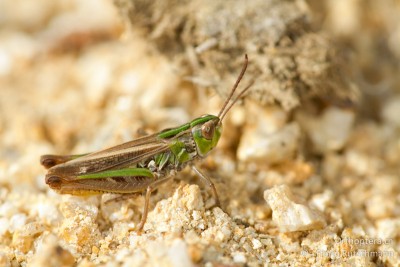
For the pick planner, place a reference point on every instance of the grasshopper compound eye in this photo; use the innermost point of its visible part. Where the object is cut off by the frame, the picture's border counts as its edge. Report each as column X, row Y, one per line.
column 207, row 130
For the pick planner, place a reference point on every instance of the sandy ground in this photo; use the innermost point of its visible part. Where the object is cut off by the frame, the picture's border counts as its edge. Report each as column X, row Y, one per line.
column 307, row 168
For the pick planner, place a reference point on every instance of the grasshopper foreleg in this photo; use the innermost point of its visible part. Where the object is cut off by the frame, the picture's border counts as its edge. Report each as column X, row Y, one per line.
column 210, row 184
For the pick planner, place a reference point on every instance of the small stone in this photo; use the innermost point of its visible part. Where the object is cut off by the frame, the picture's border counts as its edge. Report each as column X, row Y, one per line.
column 95, row 250
column 360, row 163
column 237, row 233
column 323, row 200
column 391, row 111
column 290, row 216
column 175, row 213
column 360, row 259
column 287, row 242
column 7, row 209
column 257, row 145
column 195, row 252
column 388, row 229
column 196, row 215
column 178, row 254
column 256, row 243
column 24, row 237
column 379, row 206
column 86, row 263
column 121, row 230
column 72, row 205
column 192, row 199
column 48, row 212
column 388, row 255
column 247, row 248
column 239, row 257
column 4, row 260
column 116, row 211
column 50, row 253
column 17, row 221
column 331, row 130
column 267, row 136
column 79, row 228
column 387, row 184
column 4, row 226
column 267, row 242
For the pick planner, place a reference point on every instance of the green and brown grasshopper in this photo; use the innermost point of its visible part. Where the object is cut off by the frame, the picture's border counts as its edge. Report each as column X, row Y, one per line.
column 142, row 164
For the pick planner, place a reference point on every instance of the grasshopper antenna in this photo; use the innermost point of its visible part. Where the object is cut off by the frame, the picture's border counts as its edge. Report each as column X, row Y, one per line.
column 246, row 60
column 236, row 99
column 225, row 108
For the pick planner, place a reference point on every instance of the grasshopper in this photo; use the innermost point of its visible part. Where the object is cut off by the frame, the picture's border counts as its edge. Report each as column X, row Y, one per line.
column 141, row 164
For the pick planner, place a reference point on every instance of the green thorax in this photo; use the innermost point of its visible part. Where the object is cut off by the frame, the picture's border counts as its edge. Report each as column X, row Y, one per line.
column 187, row 142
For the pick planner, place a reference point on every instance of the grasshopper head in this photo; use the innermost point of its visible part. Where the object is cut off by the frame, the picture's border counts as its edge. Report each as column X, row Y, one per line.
column 207, row 129
column 206, row 132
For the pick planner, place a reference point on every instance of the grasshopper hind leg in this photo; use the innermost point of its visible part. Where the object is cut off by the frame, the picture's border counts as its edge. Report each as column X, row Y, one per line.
column 150, row 188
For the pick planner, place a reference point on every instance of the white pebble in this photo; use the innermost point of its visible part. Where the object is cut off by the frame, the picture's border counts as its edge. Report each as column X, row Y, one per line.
column 388, row 229
column 322, row 201
column 196, row 215
column 257, row 145
column 48, row 211
column 239, row 257
column 7, row 209
column 256, row 243
column 331, row 130
column 17, row 221
column 391, row 111
column 178, row 254
column 4, row 226
column 290, row 216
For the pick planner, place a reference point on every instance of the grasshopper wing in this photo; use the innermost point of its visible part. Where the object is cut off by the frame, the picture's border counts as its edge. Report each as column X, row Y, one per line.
column 117, row 157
